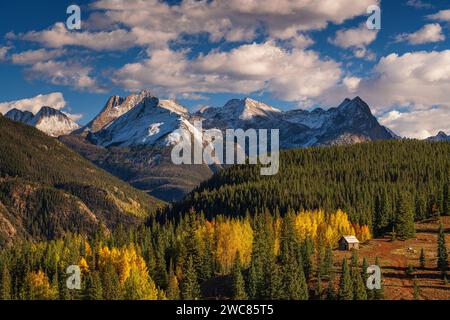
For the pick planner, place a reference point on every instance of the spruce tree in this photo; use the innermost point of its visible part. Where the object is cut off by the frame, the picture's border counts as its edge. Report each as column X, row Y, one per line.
column 173, row 288
column 442, row 254
column 94, row 289
column 364, row 277
column 345, row 283
column 359, row 286
column 422, row 259
column 273, row 286
column 446, row 200
column 238, row 280
column 295, row 286
column 253, row 282
column 331, row 293
column 404, row 223
column 111, row 283
column 190, row 289
column 382, row 214
column 328, row 262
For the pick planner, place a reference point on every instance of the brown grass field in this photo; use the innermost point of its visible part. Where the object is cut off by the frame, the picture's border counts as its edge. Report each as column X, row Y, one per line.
column 396, row 256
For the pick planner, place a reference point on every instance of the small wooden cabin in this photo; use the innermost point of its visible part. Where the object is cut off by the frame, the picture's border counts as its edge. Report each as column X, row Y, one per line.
column 347, row 243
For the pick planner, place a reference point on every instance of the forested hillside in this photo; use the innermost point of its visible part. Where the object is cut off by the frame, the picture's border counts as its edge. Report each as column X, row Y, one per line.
column 260, row 257
column 47, row 189
column 382, row 184
column 245, row 236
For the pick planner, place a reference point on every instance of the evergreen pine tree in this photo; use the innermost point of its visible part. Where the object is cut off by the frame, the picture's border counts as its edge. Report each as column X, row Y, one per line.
column 252, row 282
column 328, row 261
column 273, row 282
column 94, row 290
column 364, row 277
column 345, row 283
column 111, row 283
column 404, row 223
column 422, row 259
column 442, row 254
column 238, row 280
column 359, row 287
column 190, row 289
column 382, row 214
column 446, row 200
column 331, row 293
column 420, row 210
column 173, row 288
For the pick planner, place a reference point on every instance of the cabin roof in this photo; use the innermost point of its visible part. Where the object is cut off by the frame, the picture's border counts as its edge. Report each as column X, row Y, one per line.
column 350, row 239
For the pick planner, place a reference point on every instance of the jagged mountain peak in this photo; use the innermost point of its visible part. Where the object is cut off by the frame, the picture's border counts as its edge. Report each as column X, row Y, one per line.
column 441, row 136
column 49, row 111
column 53, row 122
column 49, row 120
column 115, row 107
column 19, row 115
column 355, row 105
column 244, row 109
column 151, row 122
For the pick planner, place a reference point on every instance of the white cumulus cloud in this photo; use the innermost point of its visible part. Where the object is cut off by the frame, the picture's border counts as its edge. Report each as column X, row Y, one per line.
column 292, row 75
column 356, row 39
column 55, row 100
column 443, row 15
column 429, row 33
column 418, row 82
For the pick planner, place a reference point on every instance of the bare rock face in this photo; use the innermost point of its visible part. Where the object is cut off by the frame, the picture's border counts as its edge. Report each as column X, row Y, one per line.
column 114, row 108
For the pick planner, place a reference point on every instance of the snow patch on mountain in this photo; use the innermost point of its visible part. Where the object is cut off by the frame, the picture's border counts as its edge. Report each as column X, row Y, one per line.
column 114, row 108
column 51, row 121
column 155, row 122
column 151, row 122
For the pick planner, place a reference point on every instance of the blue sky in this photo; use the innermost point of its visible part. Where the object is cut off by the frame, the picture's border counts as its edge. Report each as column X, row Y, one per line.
column 292, row 54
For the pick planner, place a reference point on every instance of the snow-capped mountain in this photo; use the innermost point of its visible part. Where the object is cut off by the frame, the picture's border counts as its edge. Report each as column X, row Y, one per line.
column 51, row 121
column 441, row 136
column 114, row 108
column 150, row 122
column 153, row 121
column 235, row 112
column 351, row 122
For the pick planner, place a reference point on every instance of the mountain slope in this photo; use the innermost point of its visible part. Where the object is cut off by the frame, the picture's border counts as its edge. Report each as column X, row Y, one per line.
column 148, row 168
column 136, row 145
column 51, row 121
column 46, row 189
column 151, row 122
column 350, row 178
